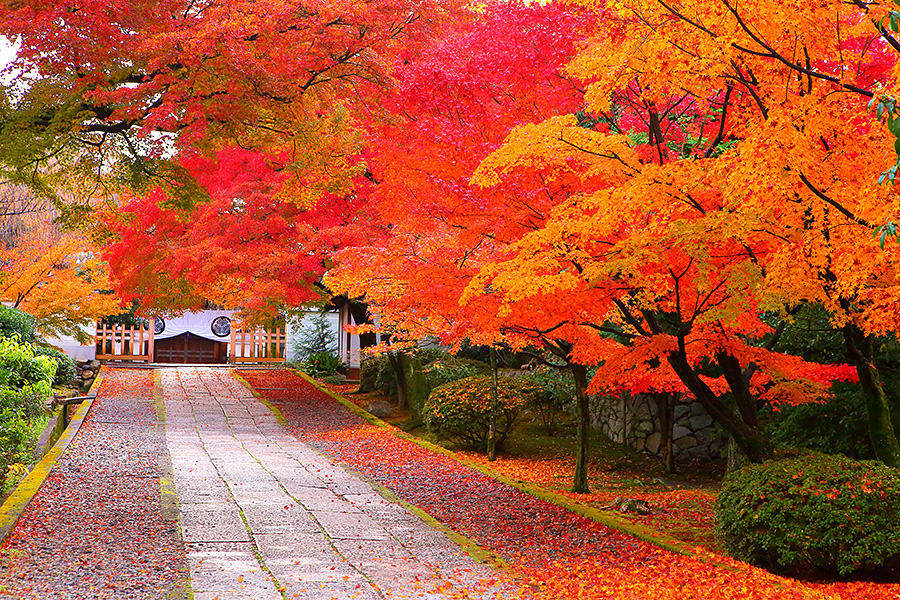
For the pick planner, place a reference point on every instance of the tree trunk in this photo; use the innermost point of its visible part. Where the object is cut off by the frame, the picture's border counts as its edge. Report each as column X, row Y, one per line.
column 396, row 360
column 495, row 406
column 580, row 480
column 881, row 429
column 752, row 441
column 735, row 458
column 665, row 409
column 417, row 388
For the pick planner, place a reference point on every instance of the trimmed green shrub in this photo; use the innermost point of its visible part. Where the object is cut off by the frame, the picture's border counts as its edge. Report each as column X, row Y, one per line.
column 16, row 322
column 814, row 514
column 65, row 366
column 461, row 409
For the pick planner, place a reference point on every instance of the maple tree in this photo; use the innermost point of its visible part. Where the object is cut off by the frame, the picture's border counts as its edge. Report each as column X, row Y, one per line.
column 452, row 107
column 243, row 248
column 746, row 180
column 451, row 241
column 180, row 88
column 109, row 90
column 54, row 275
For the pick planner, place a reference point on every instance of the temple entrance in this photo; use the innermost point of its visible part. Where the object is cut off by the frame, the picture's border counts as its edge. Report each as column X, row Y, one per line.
column 190, row 349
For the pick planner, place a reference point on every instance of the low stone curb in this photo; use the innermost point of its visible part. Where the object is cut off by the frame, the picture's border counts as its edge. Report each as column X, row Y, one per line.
column 606, row 518
column 21, row 497
column 471, row 548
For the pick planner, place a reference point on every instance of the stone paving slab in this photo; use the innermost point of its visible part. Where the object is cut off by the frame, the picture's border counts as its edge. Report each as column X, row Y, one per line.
column 263, row 515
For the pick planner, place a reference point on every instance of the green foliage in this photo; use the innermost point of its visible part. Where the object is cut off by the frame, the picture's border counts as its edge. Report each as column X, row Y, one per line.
column 24, row 388
column 315, row 337
column 322, row 364
column 65, row 366
column 469, row 350
column 438, row 365
column 814, row 514
column 127, row 318
column 16, row 322
column 557, row 394
column 449, row 368
column 377, row 375
column 838, row 425
column 461, row 409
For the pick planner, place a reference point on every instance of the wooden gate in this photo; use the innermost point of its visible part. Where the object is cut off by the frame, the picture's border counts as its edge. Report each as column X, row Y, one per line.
column 119, row 342
column 258, row 345
column 190, row 349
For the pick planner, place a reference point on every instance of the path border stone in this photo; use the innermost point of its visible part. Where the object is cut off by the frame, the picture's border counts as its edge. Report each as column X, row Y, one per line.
column 603, row 517
column 26, row 490
column 471, row 548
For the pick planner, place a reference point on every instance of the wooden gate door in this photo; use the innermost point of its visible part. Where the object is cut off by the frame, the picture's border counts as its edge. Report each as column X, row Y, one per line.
column 190, row 349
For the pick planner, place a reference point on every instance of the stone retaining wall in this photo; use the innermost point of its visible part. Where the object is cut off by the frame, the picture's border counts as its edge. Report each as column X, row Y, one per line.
column 86, row 371
column 632, row 421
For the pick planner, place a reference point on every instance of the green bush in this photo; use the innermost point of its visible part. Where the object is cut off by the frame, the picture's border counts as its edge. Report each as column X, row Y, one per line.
column 323, row 363
column 837, row 426
column 557, row 395
column 24, row 388
column 14, row 322
column 65, row 366
column 439, row 366
column 449, row 368
column 376, row 375
column 814, row 514
column 461, row 409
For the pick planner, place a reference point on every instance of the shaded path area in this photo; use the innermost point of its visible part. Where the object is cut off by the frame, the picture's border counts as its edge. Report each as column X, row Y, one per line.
column 96, row 527
column 264, row 516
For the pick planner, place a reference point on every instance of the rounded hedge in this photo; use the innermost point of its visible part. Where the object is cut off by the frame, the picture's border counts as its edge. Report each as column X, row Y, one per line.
column 814, row 514
column 461, row 409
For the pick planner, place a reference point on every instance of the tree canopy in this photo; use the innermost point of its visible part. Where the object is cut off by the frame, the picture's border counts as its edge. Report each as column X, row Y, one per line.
column 653, row 189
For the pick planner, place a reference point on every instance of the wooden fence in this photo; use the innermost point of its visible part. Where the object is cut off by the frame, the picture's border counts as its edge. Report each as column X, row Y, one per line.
column 118, row 342
column 258, row 345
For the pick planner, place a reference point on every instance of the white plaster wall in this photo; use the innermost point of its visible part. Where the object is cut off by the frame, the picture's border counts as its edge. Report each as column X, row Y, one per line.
column 70, row 346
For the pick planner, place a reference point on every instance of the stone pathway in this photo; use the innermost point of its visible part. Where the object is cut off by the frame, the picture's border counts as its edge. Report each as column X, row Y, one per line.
column 264, row 516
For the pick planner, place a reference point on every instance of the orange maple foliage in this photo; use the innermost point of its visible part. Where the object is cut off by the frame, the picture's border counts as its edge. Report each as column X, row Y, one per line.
column 740, row 173
column 58, row 278
column 453, row 105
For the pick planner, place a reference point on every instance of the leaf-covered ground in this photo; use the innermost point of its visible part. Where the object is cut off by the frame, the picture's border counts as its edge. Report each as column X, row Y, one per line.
column 563, row 555
column 682, row 506
column 95, row 530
